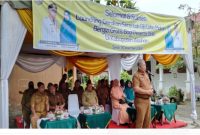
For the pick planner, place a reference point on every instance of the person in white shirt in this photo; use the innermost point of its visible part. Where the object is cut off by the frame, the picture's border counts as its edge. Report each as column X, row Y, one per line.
column 50, row 28
column 178, row 40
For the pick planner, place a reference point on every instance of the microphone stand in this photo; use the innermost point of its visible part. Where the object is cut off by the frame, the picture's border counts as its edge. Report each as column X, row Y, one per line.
column 152, row 82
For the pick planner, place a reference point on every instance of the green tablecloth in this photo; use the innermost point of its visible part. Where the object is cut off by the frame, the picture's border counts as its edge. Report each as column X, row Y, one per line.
column 95, row 120
column 167, row 109
column 153, row 112
column 65, row 123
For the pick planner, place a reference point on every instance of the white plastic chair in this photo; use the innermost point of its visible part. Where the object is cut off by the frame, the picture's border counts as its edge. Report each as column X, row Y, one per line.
column 73, row 107
column 115, row 115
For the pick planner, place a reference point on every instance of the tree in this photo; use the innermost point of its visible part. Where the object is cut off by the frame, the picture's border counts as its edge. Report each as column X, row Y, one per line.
column 195, row 33
column 125, row 76
column 120, row 3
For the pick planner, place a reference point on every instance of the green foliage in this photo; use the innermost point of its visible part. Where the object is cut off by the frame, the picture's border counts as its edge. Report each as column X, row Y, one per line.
column 83, row 85
column 195, row 31
column 70, row 83
column 125, row 76
column 173, row 91
column 122, row 3
column 70, row 73
column 85, row 78
column 97, row 1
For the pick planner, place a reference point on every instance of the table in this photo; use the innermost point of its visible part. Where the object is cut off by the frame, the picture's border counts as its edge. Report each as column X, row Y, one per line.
column 167, row 109
column 65, row 123
column 100, row 120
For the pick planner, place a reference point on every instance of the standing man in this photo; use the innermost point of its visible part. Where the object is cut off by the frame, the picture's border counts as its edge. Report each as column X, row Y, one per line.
column 63, row 79
column 143, row 92
column 26, row 103
column 39, row 104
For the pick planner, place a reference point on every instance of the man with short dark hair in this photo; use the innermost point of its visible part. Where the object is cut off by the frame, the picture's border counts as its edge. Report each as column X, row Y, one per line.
column 50, row 27
column 63, row 79
column 56, row 100
column 78, row 89
column 39, row 105
column 143, row 92
column 26, row 103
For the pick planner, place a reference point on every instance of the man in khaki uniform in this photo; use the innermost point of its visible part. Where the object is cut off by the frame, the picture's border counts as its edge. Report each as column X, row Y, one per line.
column 89, row 97
column 39, row 105
column 56, row 100
column 26, row 103
column 143, row 91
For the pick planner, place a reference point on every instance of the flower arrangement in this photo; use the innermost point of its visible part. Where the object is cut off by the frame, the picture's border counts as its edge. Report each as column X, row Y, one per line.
column 58, row 114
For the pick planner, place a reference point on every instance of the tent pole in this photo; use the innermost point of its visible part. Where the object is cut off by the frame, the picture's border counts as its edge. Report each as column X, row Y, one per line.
column 74, row 76
column 161, row 78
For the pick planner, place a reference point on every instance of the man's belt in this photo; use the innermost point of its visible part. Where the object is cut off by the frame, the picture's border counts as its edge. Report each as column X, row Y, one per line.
column 143, row 97
column 39, row 112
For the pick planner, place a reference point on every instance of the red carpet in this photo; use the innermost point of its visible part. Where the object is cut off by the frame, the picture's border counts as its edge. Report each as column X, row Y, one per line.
column 166, row 124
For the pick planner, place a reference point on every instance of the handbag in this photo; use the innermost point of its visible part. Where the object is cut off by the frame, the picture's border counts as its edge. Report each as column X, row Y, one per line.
column 122, row 101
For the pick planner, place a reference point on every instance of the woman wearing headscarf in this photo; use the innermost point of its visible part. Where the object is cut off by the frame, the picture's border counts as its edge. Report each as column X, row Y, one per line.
column 118, row 98
column 68, row 30
column 129, row 92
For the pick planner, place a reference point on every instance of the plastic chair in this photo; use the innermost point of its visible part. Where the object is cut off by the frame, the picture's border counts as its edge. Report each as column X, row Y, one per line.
column 73, row 105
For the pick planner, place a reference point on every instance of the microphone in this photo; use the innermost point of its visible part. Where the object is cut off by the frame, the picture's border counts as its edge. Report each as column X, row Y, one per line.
column 149, row 73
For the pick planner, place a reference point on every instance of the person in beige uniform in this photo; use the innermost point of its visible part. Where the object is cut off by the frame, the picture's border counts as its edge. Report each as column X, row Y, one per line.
column 143, row 92
column 26, row 103
column 89, row 97
column 39, row 105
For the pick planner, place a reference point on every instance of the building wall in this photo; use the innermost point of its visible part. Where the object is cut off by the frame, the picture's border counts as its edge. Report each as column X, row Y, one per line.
column 18, row 81
column 169, row 79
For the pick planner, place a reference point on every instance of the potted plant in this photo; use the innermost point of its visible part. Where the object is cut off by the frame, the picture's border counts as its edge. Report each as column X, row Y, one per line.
column 173, row 94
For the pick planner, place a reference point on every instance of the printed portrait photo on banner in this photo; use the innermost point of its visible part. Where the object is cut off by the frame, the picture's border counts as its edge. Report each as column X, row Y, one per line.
column 50, row 28
column 68, row 30
column 178, row 40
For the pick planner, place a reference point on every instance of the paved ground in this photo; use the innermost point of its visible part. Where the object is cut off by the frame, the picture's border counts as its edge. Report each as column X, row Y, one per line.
column 183, row 113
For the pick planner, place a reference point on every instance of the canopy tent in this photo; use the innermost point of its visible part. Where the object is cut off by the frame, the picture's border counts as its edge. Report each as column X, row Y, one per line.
column 12, row 37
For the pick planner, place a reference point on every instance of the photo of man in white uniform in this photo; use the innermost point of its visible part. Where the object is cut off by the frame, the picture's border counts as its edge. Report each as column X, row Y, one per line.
column 178, row 40
column 50, row 27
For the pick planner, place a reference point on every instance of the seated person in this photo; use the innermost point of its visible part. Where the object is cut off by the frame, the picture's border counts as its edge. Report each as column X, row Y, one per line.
column 129, row 92
column 102, row 93
column 89, row 97
column 78, row 89
column 56, row 100
column 117, row 97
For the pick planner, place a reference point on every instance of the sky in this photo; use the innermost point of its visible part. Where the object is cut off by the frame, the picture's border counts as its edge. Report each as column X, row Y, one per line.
column 168, row 7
